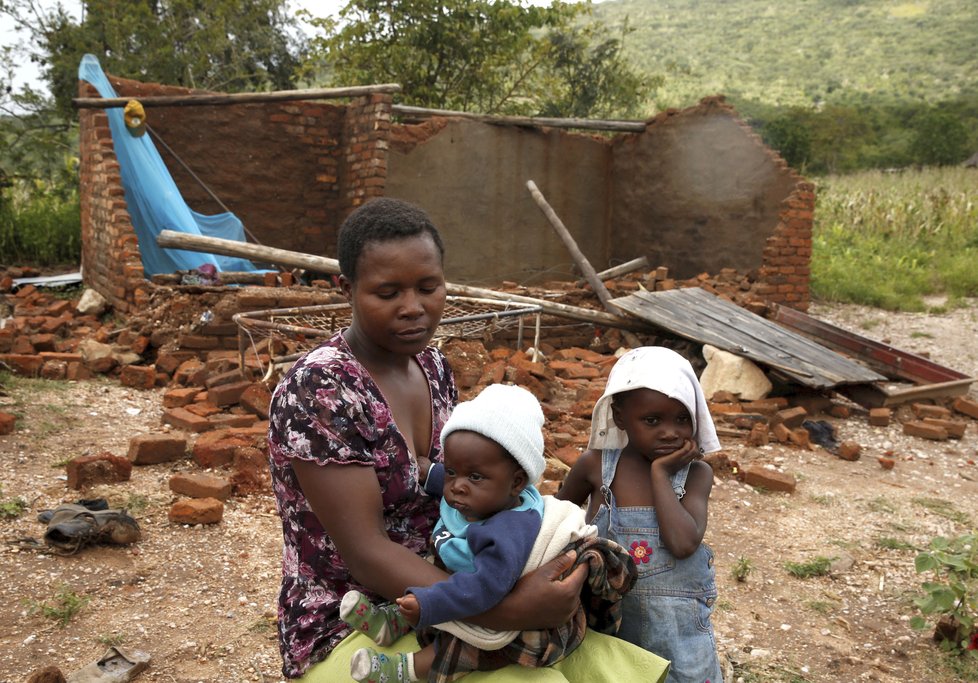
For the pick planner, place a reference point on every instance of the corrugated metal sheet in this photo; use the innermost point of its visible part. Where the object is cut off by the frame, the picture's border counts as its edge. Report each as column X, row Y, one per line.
column 696, row 314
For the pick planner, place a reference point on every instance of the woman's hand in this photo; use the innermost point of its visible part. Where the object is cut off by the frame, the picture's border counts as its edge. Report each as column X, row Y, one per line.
column 544, row 598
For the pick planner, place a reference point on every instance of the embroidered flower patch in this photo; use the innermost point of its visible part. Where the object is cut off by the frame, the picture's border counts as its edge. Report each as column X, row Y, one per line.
column 640, row 552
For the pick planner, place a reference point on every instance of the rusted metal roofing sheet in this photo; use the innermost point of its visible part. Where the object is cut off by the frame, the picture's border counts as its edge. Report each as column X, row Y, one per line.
column 696, row 314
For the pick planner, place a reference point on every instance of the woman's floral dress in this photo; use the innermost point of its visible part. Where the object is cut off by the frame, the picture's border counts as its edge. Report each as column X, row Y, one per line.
column 328, row 410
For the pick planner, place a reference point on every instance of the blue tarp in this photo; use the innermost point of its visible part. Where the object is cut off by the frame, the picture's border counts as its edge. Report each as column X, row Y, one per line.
column 153, row 199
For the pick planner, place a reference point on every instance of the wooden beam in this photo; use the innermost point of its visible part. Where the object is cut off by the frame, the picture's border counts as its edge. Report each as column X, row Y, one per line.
column 579, row 258
column 173, row 239
column 212, row 99
column 537, row 121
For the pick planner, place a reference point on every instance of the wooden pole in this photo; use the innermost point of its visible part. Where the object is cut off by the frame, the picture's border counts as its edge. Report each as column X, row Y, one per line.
column 642, row 262
column 583, row 124
column 234, row 98
column 579, row 258
column 173, row 239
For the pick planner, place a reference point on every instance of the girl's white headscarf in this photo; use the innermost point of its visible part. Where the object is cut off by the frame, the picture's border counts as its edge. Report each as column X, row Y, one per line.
column 662, row 370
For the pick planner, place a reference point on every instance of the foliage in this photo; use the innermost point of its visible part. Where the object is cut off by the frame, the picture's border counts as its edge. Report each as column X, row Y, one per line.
column 742, row 568
column 817, row 566
column 226, row 45
column 889, row 239
column 66, row 605
column 953, row 598
column 40, row 225
column 491, row 57
column 802, row 54
column 12, row 508
column 940, row 138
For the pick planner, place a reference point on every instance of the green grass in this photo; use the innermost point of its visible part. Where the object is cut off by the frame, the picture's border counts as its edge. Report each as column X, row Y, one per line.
column 742, row 568
column 12, row 508
column 943, row 508
column 890, row 239
column 66, row 605
column 890, row 543
column 817, row 566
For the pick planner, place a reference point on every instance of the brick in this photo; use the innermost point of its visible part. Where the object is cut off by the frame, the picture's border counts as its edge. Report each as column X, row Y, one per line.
column 7, row 423
column 256, row 399
column 227, row 394
column 767, row 478
column 179, row 397
column 104, row 468
column 138, row 376
column 222, row 377
column 196, row 511
column 966, row 406
column 194, row 485
column 924, row 430
column 880, row 417
column 760, row 435
column 23, row 364
column 801, row 438
column 54, row 369
column 250, row 471
column 181, row 418
column 216, row 448
column 886, row 463
column 152, row 449
column 781, row 433
column 955, row 429
column 923, row 410
column 225, row 420
column 790, row 417
column 849, row 450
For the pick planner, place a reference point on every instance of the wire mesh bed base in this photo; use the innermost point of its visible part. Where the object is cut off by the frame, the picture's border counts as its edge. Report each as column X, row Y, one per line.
column 279, row 336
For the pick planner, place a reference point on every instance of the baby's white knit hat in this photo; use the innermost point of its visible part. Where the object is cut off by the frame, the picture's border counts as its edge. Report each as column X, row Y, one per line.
column 509, row 415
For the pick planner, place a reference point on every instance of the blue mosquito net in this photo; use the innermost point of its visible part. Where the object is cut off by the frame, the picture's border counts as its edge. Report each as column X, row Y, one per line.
column 153, row 199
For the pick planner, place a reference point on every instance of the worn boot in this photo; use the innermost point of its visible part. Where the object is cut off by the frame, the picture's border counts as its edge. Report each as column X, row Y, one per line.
column 71, row 527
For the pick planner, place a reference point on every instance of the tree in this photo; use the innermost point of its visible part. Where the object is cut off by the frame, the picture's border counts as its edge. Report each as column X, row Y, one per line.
column 491, row 57
column 940, row 138
column 227, row 45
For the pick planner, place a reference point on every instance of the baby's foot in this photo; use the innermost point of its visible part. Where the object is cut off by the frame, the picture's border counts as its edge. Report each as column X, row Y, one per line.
column 384, row 623
column 368, row 666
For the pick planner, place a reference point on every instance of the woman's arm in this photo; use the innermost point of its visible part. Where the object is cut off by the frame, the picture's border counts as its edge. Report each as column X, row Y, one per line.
column 347, row 501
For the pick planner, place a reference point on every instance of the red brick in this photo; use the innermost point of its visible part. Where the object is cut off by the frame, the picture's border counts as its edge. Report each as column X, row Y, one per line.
column 568, row 455
column 225, row 420
column 179, row 397
column 104, row 468
column 574, row 370
column 181, row 418
column 196, row 511
column 227, row 394
column 790, row 417
column 216, row 448
column 880, row 417
column 924, row 430
column 256, row 399
column 760, row 435
column 194, row 485
column 138, row 376
column 152, row 449
column 966, row 406
column 54, row 369
column 801, row 438
column 770, row 479
column 923, row 410
column 886, row 463
column 849, row 450
column 23, row 364
column 781, row 433
column 251, row 473
column 955, row 429
column 7, row 423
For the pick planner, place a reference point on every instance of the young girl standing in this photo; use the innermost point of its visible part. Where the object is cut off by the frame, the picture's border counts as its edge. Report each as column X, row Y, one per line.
column 649, row 491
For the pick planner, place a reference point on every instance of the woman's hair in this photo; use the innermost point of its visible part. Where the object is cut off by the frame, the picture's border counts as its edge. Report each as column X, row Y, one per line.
column 380, row 220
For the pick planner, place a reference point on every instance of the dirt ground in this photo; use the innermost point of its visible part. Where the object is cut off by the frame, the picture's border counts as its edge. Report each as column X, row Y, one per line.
column 200, row 600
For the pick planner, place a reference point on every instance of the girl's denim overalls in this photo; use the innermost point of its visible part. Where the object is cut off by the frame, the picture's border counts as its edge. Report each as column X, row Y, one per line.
column 668, row 610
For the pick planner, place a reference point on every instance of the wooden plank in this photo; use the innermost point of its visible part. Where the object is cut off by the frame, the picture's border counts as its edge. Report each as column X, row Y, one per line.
column 422, row 113
column 890, row 361
column 698, row 315
column 211, row 99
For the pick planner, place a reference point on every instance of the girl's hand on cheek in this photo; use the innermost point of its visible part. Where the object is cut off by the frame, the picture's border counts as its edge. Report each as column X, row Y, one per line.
column 679, row 458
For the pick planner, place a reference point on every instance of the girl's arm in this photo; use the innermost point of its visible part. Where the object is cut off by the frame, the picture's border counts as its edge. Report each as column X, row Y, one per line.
column 580, row 481
column 347, row 501
column 682, row 523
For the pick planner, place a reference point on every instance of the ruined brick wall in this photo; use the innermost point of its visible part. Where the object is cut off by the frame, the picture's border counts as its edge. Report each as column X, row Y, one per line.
column 290, row 171
column 110, row 250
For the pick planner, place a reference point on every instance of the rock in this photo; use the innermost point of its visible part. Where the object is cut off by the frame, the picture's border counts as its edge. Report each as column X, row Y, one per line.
column 728, row 372
column 92, row 303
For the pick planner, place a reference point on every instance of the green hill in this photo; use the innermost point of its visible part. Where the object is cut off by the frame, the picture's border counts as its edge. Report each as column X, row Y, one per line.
column 803, row 52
